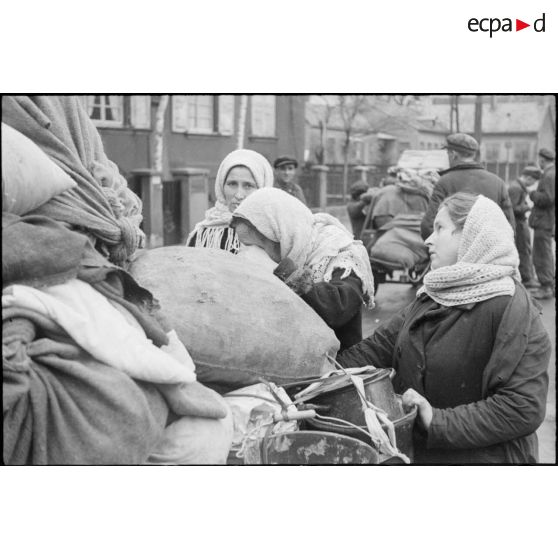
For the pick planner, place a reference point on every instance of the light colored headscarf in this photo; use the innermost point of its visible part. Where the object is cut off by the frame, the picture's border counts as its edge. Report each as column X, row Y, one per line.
column 317, row 243
column 217, row 218
column 487, row 260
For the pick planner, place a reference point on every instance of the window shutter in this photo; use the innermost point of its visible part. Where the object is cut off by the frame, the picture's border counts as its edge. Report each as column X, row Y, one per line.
column 180, row 113
column 226, row 114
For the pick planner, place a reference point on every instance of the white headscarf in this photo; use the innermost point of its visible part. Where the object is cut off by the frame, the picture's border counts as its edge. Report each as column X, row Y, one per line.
column 219, row 216
column 487, row 260
column 318, row 243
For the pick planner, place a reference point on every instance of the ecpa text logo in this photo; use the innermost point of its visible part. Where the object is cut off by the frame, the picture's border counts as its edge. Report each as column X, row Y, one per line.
column 494, row 24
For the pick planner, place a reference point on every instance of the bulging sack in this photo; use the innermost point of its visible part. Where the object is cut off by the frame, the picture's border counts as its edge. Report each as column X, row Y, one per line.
column 401, row 245
column 238, row 321
column 29, row 177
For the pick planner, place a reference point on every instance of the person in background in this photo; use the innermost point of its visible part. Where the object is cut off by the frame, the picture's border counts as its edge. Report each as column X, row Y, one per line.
column 518, row 192
column 241, row 173
column 471, row 351
column 355, row 207
column 390, row 178
column 285, row 172
column 317, row 256
column 542, row 221
column 465, row 175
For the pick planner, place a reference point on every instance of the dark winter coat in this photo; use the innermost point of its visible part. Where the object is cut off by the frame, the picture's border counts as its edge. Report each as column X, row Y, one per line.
column 467, row 177
column 293, row 189
column 339, row 303
column 483, row 368
column 542, row 215
column 518, row 198
column 355, row 209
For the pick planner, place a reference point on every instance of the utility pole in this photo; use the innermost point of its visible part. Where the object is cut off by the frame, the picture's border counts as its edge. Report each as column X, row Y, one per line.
column 478, row 123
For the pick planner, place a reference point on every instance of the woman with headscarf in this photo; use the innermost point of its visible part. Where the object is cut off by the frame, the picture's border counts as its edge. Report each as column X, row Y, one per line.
column 317, row 256
column 471, row 352
column 241, row 173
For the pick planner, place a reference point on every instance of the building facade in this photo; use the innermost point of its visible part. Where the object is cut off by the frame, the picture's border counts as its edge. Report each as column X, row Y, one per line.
column 198, row 132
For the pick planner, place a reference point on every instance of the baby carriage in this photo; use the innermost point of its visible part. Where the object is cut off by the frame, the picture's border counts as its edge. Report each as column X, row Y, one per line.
column 391, row 232
column 396, row 249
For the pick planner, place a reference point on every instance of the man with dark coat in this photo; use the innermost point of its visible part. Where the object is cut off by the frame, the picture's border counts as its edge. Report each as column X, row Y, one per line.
column 285, row 171
column 518, row 192
column 355, row 207
column 465, row 175
column 542, row 221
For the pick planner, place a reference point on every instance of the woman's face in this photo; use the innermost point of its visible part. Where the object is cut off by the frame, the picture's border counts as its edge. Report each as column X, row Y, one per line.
column 238, row 185
column 250, row 236
column 443, row 243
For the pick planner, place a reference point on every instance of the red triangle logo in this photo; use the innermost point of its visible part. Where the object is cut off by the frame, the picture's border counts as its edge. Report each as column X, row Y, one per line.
column 519, row 25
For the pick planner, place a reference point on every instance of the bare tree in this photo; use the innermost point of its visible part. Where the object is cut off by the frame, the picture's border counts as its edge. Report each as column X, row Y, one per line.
column 241, row 133
column 454, row 113
column 349, row 108
column 158, row 139
column 326, row 110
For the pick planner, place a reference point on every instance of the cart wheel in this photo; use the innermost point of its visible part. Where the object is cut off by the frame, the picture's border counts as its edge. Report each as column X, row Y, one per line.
column 416, row 277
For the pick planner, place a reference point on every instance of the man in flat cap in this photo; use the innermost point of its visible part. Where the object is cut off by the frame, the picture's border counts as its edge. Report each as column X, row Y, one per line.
column 285, row 172
column 518, row 192
column 465, row 175
column 542, row 221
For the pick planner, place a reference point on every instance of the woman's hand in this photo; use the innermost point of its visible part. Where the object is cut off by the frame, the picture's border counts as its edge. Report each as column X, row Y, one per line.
column 411, row 398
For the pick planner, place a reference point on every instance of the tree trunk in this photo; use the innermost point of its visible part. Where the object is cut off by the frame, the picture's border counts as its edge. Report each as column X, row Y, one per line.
column 321, row 155
column 346, row 147
column 158, row 139
column 242, row 122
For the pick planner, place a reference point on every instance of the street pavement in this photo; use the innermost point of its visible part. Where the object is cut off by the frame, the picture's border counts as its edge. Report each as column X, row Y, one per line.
column 391, row 297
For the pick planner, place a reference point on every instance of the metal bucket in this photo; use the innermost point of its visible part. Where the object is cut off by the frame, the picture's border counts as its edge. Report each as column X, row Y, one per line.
column 403, row 431
column 345, row 403
column 310, row 448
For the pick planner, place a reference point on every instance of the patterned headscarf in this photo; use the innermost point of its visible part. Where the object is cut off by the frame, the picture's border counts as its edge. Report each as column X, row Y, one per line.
column 487, row 260
column 317, row 243
column 219, row 216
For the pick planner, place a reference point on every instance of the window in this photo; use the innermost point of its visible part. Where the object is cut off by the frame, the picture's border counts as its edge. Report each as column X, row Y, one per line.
column 522, row 151
column 330, row 150
column 140, row 111
column 263, row 115
column 106, row 110
column 200, row 113
column 225, row 110
column 203, row 114
column 492, row 151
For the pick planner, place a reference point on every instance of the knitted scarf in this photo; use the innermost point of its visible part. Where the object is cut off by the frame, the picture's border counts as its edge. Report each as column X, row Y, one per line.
column 209, row 232
column 487, row 260
column 317, row 243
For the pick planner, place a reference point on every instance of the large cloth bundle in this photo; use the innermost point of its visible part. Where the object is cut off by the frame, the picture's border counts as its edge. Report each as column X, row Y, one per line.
column 400, row 244
column 101, row 203
column 61, row 406
column 29, row 177
column 238, row 321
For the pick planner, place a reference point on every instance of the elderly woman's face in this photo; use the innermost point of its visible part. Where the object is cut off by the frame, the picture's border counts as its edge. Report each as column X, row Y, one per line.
column 443, row 243
column 239, row 184
column 250, row 236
